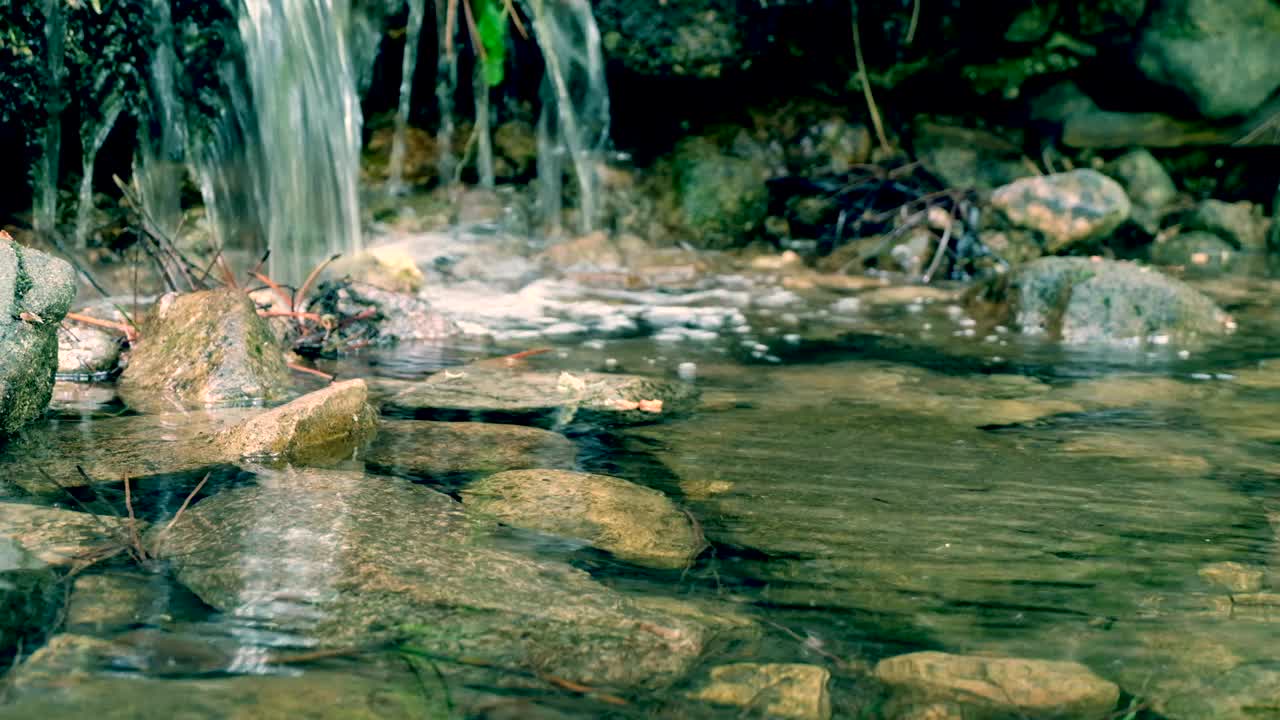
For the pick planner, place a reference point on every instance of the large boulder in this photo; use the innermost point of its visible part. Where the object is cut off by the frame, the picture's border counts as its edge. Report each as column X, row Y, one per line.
column 1220, row 54
column 204, row 349
column 989, row 688
column 1079, row 300
column 36, row 291
column 633, row 522
column 347, row 558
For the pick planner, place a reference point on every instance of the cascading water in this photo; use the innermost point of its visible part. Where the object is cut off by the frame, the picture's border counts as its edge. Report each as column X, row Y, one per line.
column 305, row 144
column 575, row 106
column 158, row 168
column 409, row 65
column 45, row 215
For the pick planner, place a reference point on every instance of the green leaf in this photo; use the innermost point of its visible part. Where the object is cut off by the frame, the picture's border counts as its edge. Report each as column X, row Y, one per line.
column 492, row 27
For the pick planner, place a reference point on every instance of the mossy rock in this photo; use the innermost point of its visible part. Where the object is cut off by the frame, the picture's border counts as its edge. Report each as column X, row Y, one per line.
column 36, row 291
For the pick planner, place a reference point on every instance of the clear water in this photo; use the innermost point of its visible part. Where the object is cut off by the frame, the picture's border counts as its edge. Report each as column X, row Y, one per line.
column 890, row 486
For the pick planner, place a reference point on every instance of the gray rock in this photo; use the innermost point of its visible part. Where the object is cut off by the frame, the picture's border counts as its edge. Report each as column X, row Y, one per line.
column 427, row 448
column 204, row 349
column 478, row 391
column 702, row 38
column 1143, row 178
column 36, row 291
column 346, row 558
column 1078, row 300
column 1195, row 250
column 60, row 538
column 635, row 523
column 967, row 158
column 85, row 351
column 1240, row 224
column 1067, row 208
column 776, row 690
column 64, row 679
column 989, row 688
column 1220, row 54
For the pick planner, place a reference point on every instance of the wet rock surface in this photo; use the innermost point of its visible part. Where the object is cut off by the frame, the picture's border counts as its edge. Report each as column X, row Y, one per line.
column 325, row 425
column 36, row 291
column 85, row 351
column 61, row 538
column 630, row 521
column 776, row 689
column 1078, row 300
column 345, row 557
column 983, row 687
column 1067, row 208
column 426, row 448
column 204, row 349
column 477, row 391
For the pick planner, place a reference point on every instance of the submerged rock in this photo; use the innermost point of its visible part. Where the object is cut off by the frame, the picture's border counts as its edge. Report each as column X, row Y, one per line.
column 635, row 523
column 204, row 349
column 117, row 600
column 477, row 391
column 1078, row 300
column 428, row 448
column 1068, row 208
column 36, row 291
column 61, row 537
column 1220, row 54
column 345, row 557
column 85, row 351
column 990, row 688
column 30, row 600
column 328, row 424
column 778, row 690
column 64, row 680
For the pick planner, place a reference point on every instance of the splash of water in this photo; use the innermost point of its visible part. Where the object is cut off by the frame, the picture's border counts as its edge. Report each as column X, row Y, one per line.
column 158, row 167
column 46, row 176
column 417, row 12
column 306, row 121
column 575, row 106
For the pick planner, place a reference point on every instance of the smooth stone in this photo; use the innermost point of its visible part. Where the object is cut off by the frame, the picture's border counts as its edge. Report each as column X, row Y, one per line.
column 65, row 679
column 36, row 290
column 1067, row 208
column 348, row 558
column 86, row 351
column 1143, row 178
column 477, row 392
column 60, row 538
column 635, row 523
column 429, row 448
column 781, row 690
column 116, row 600
column 325, row 425
column 1240, row 224
column 991, row 687
column 1195, row 250
column 204, row 349
column 1079, row 301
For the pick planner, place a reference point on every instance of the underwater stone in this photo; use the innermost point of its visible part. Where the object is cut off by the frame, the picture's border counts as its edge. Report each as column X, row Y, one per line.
column 778, row 690
column 635, row 523
column 428, row 448
column 59, row 537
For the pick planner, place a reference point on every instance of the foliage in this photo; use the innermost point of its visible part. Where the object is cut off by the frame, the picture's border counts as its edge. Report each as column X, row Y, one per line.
column 492, row 29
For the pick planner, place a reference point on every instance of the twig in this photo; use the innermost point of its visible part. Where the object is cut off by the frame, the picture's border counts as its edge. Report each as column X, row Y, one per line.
column 185, row 503
column 311, row 278
column 915, row 21
column 130, row 333
column 473, row 31
column 581, row 689
column 133, row 523
column 866, row 83
column 942, row 250
column 279, row 291
column 313, row 317
column 80, row 504
column 310, row 371
column 510, row 9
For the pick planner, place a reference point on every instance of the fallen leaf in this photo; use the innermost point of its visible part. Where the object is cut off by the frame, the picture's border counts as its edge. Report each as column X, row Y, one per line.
column 650, row 406
column 28, row 316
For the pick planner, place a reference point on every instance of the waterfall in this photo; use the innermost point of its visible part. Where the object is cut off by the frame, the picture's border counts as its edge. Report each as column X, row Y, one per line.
column 92, row 137
column 574, row 124
column 158, row 169
column 45, row 184
column 408, row 66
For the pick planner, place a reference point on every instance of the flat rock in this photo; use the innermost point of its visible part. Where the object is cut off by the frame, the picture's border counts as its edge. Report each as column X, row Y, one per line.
column 64, row 679
column 36, row 291
column 60, row 537
column 987, row 687
column 204, row 349
column 347, row 557
column 478, row 392
column 635, row 523
column 1078, row 300
column 1067, row 208
column 328, row 424
column 777, row 690
column 427, row 448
